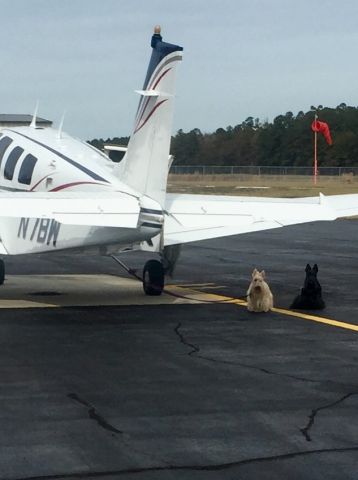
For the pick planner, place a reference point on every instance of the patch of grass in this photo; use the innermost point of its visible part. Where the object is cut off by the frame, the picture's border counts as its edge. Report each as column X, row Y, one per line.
column 288, row 186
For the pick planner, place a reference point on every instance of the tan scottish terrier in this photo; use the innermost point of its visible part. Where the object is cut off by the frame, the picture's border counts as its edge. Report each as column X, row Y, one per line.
column 259, row 296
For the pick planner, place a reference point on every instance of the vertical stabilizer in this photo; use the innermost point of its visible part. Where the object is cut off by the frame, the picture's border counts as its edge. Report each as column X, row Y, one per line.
column 145, row 166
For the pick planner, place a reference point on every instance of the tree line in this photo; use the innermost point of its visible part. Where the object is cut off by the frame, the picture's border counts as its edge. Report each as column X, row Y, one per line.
column 286, row 141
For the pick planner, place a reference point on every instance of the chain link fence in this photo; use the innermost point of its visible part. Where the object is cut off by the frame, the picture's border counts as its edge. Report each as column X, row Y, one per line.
column 259, row 170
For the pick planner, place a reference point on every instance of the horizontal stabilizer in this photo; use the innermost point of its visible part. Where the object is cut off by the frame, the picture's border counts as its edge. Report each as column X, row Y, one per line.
column 148, row 93
column 198, row 217
column 343, row 205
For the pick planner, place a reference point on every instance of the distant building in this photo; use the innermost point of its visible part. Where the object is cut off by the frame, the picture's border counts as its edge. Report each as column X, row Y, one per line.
column 17, row 120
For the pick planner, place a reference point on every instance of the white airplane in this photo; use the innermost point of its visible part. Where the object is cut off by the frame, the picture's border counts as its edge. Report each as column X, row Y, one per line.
column 59, row 194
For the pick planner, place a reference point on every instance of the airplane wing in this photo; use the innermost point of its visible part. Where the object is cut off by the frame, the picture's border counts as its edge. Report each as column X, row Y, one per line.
column 109, row 209
column 191, row 218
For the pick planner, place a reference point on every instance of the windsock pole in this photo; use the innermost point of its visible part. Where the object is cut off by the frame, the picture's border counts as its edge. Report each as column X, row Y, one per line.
column 315, row 163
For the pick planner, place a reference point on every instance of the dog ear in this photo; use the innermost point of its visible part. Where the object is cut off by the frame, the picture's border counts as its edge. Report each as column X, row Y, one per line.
column 308, row 268
column 254, row 272
column 262, row 273
column 315, row 268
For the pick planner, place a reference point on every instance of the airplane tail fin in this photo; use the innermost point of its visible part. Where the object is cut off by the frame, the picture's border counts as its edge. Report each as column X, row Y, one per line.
column 146, row 163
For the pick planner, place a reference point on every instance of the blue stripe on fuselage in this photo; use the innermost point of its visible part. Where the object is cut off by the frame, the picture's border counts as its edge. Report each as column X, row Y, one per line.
column 93, row 175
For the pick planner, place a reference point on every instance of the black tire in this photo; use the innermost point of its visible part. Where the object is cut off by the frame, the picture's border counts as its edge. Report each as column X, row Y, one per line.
column 153, row 278
column 2, row 272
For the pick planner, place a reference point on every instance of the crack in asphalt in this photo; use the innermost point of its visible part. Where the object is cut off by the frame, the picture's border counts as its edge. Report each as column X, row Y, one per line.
column 94, row 415
column 207, row 468
column 314, row 413
column 196, row 349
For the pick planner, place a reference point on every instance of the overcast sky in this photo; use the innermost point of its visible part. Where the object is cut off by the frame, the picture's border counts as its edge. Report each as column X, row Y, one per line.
column 242, row 58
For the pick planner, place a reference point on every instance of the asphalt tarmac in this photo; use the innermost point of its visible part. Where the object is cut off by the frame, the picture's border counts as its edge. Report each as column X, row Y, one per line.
column 99, row 381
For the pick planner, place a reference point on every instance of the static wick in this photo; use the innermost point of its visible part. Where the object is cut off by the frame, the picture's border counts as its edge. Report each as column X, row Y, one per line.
column 157, row 29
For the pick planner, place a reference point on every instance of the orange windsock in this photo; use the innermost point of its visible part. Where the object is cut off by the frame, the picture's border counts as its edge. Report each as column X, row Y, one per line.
column 322, row 127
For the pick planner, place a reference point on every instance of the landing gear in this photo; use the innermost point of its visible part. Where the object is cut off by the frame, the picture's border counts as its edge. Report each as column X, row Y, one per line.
column 153, row 277
column 170, row 256
column 2, row 271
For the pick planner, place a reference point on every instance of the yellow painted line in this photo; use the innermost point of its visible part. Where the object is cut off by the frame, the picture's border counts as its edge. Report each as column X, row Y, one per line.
column 314, row 318
column 24, row 304
column 197, row 295
column 214, row 298
column 208, row 286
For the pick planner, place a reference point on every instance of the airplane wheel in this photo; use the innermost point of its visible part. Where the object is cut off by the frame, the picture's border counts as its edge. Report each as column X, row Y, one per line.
column 153, row 277
column 2, row 272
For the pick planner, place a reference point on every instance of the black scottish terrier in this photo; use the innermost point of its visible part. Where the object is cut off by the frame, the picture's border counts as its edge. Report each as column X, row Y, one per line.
column 310, row 297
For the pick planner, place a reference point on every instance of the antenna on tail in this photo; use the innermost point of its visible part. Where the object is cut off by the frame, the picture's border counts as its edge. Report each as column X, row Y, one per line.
column 59, row 132
column 34, row 116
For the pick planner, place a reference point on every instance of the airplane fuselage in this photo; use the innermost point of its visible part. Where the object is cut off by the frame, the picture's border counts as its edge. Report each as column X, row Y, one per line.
column 46, row 160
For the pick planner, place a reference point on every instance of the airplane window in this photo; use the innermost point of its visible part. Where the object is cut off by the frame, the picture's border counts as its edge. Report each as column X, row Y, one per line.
column 11, row 162
column 4, row 143
column 27, row 169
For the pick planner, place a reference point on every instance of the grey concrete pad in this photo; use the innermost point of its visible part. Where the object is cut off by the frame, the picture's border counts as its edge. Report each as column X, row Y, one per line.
column 188, row 391
column 64, row 290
